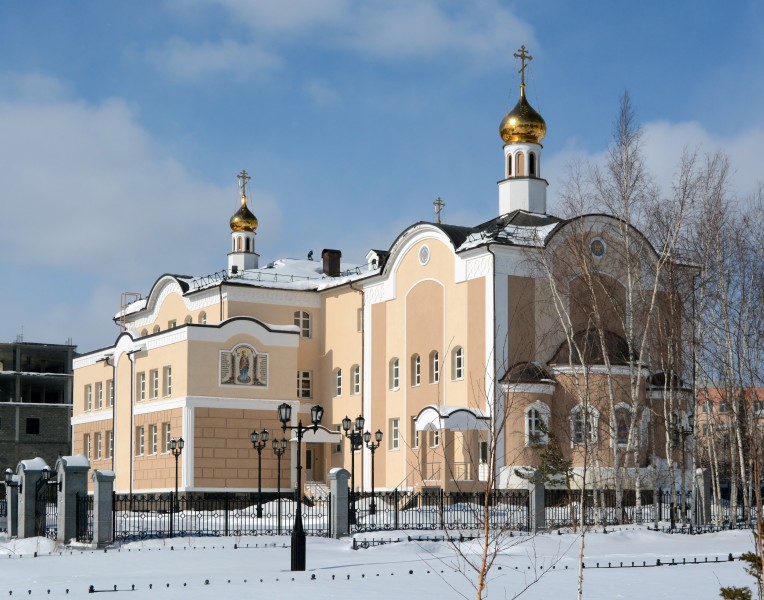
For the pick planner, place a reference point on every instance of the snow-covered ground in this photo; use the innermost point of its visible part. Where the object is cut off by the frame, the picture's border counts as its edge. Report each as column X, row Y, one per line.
column 246, row 567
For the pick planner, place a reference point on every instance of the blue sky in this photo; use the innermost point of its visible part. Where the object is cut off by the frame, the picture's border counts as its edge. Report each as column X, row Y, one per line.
column 123, row 125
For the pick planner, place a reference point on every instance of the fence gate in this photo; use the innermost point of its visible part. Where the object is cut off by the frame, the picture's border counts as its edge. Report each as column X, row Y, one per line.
column 84, row 520
column 46, row 508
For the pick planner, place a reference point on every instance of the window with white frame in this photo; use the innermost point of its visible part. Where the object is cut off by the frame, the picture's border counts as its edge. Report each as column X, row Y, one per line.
column 166, row 436
column 172, row 324
column 583, row 424
column 154, row 379
column 109, row 443
column 141, row 385
column 140, row 441
column 359, row 320
column 86, row 445
column 355, row 375
column 167, row 376
column 457, row 363
column 416, row 370
column 395, row 373
column 338, row 382
column 435, row 438
column 98, row 445
column 202, row 318
column 99, row 395
column 88, row 397
column 434, row 367
column 536, row 422
column 153, row 439
column 414, row 434
column 304, row 384
column 110, row 393
column 302, row 320
column 394, row 427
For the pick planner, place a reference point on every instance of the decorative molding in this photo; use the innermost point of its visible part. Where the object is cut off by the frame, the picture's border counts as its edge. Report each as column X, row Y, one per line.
column 479, row 266
column 529, row 388
column 279, row 297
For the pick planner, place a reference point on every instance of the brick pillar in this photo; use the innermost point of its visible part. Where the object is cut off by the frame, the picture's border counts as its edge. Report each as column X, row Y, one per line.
column 29, row 473
column 103, row 486
column 338, row 483
column 72, row 475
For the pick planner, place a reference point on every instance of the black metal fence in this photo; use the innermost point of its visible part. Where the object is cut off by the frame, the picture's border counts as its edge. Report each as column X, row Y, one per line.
column 142, row 516
column 505, row 509
column 3, row 507
column 84, row 521
column 46, row 509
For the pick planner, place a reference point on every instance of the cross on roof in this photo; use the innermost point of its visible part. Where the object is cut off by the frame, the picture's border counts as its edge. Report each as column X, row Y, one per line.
column 439, row 205
column 243, row 178
column 523, row 56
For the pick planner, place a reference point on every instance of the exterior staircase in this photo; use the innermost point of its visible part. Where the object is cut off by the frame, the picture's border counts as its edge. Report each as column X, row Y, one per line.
column 316, row 489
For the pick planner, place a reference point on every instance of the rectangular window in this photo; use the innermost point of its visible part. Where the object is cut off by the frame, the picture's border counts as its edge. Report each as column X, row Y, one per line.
column 435, row 439
column 338, row 382
column 86, row 445
column 140, row 441
column 356, row 380
column 33, row 426
column 395, row 434
column 172, row 324
column 359, row 320
column 98, row 445
column 302, row 320
column 154, row 378
column 88, row 397
column 167, row 435
column 110, row 393
column 109, row 444
column 141, row 385
column 99, row 395
column 153, row 438
column 167, row 381
column 724, row 407
column 304, row 384
column 338, row 447
column 483, row 452
column 414, row 434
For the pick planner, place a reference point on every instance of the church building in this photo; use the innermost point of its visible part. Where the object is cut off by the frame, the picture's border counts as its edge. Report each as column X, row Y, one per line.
column 464, row 345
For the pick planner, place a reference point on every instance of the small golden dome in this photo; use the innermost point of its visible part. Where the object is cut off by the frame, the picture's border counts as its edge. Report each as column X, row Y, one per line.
column 243, row 219
column 522, row 123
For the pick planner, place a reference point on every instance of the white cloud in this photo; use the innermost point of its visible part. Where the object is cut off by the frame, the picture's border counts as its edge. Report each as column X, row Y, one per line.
column 186, row 61
column 321, row 92
column 663, row 146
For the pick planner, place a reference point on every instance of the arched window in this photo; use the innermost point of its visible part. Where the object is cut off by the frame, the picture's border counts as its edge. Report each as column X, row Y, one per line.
column 457, row 363
column 144, row 332
column 416, row 370
column 202, row 318
column 355, row 376
column 238, row 244
column 246, row 245
column 434, row 367
column 302, row 320
column 338, row 382
column 156, row 329
column 509, row 165
column 532, row 164
column 583, row 425
column 536, row 424
column 519, row 164
column 395, row 373
column 188, row 320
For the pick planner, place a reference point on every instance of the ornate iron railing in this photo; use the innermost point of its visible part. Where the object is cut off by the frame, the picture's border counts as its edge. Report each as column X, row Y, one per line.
column 84, row 519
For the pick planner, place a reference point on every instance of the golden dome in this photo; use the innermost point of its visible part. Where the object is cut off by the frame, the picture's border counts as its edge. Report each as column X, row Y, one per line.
column 522, row 123
column 243, row 219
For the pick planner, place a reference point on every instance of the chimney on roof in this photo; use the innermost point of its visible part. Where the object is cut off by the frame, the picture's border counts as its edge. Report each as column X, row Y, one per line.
column 331, row 262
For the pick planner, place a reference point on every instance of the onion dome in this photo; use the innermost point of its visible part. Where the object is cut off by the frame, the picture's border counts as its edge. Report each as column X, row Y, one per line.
column 522, row 123
column 243, row 219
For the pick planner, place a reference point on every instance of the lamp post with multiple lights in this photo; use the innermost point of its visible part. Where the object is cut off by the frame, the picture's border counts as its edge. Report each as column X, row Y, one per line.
column 372, row 447
column 279, row 447
column 355, row 443
column 298, row 533
column 259, row 441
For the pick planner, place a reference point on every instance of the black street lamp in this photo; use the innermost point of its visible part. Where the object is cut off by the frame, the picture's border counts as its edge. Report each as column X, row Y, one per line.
column 298, row 533
column 355, row 444
column 259, row 441
column 9, row 483
column 279, row 447
column 176, row 447
column 372, row 446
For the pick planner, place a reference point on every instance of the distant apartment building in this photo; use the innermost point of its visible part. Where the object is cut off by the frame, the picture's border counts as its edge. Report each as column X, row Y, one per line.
column 35, row 401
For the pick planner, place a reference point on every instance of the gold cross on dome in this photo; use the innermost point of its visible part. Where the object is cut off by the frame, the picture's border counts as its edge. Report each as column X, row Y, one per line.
column 523, row 56
column 243, row 178
column 439, row 205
